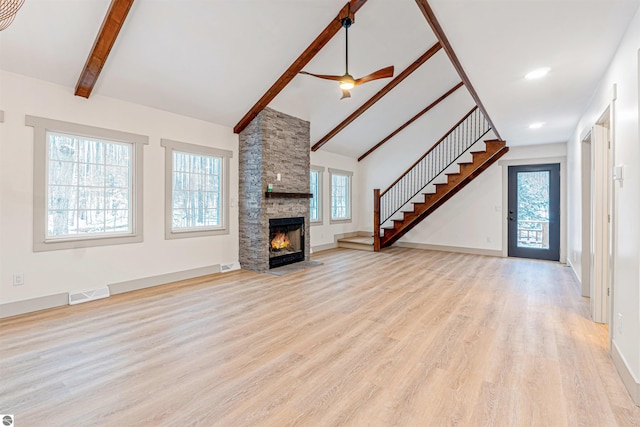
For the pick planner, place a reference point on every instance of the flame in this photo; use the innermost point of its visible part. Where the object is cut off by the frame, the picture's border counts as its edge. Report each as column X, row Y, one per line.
column 280, row 241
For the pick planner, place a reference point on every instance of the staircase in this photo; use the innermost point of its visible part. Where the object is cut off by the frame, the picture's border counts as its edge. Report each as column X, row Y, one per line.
column 407, row 201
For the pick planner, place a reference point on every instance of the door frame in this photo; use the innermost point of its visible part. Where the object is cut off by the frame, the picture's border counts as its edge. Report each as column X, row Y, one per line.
column 563, row 199
column 586, row 259
column 602, row 218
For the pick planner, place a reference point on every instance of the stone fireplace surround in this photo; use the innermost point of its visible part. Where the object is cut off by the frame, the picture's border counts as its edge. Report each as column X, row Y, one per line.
column 273, row 143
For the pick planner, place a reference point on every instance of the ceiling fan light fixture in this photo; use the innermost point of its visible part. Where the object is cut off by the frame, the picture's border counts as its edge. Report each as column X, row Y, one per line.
column 347, row 82
column 346, row 85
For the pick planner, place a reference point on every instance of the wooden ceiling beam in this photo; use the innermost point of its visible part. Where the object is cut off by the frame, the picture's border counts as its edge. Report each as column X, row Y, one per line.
column 375, row 98
column 309, row 53
column 411, row 120
column 111, row 25
column 444, row 41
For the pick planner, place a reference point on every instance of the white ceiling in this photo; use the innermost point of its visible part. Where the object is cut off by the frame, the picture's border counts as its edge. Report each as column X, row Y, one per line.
column 214, row 59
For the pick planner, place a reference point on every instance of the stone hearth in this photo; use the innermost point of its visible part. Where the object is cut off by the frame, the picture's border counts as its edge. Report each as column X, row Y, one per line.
column 273, row 143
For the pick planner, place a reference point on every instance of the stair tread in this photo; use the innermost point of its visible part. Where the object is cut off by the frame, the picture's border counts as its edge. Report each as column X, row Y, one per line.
column 363, row 240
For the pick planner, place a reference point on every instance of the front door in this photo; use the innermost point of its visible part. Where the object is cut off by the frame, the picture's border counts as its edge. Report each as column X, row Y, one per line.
column 534, row 211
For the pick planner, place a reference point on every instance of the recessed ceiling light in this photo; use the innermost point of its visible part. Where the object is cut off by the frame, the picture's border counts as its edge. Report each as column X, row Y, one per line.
column 537, row 73
column 536, row 125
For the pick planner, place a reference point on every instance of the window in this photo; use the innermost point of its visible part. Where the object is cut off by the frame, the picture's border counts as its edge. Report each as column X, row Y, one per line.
column 196, row 189
column 87, row 185
column 315, row 203
column 340, row 195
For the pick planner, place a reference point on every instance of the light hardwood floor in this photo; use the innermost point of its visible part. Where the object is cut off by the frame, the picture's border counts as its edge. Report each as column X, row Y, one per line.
column 403, row 337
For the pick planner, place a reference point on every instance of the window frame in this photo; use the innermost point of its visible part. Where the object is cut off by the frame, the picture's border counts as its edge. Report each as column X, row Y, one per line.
column 225, row 155
column 42, row 126
column 320, row 171
column 349, row 176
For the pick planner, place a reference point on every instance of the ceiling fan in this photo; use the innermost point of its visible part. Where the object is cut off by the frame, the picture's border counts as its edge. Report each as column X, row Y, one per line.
column 347, row 81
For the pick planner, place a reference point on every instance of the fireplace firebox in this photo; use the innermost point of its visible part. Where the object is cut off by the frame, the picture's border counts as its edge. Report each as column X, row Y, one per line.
column 286, row 241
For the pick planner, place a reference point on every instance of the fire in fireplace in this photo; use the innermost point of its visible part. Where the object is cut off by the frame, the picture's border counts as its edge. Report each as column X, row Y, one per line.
column 286, row 241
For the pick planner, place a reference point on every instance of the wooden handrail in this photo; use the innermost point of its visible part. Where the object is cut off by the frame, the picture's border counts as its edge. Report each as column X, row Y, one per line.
column 431, row 19
column 376, row 220
column 430, row 149
column 411, row 120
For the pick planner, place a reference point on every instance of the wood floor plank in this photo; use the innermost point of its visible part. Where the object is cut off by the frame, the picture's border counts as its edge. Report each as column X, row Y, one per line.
column 401, row 337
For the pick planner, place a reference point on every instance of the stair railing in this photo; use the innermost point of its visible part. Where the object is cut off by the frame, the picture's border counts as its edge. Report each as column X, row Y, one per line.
column 460, row 138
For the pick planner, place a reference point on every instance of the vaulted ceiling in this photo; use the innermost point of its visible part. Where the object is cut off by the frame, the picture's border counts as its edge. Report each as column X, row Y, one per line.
column 213, row 60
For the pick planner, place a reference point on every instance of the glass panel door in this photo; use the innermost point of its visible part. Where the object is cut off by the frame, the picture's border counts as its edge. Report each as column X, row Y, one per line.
column 534, row 211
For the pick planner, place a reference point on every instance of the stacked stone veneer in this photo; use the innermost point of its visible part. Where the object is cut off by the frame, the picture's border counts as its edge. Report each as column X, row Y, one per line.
column 272, row 143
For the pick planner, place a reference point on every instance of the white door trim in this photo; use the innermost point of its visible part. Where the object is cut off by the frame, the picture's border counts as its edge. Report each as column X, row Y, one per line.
column 602, row 219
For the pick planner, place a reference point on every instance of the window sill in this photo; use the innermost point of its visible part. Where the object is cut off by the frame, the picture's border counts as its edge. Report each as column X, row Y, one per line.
column 171, row 235
column 340, row 221
column 85, row 243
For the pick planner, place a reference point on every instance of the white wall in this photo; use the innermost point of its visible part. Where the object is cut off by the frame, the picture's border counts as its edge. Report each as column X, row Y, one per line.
column 48, row 273
column 324, row 234
column 623, row 72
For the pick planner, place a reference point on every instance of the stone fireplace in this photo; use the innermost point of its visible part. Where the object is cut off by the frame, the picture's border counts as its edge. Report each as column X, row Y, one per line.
column 274, row 145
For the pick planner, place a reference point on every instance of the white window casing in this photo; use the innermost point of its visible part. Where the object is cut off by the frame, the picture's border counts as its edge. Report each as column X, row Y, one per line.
column 317, row 201
column 205, row 153
column 46, row 238
column 340, row 195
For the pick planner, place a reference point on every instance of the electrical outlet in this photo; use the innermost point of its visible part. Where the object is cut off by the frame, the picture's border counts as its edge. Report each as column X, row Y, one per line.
column 18, row 279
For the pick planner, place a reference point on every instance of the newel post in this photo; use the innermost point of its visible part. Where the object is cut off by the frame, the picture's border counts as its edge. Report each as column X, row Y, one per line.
column 376, row 219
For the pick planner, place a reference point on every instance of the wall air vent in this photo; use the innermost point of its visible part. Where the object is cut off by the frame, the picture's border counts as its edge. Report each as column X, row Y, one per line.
column 86, row 296
column 229, row 267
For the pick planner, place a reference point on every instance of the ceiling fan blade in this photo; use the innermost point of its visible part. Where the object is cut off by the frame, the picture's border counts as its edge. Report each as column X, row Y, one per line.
column 380, row 74
column 345, row 94
column 323, row 76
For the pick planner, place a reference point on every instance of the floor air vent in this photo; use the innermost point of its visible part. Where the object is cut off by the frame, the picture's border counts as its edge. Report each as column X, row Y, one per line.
column 86, row 296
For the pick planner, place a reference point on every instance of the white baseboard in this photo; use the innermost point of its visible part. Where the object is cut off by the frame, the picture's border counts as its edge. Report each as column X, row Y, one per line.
column 573, row 270
column 50, row 301
column 16, row 308
column 629, row 380
column 457, row 249
column 163, row 279
column 325, row 247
